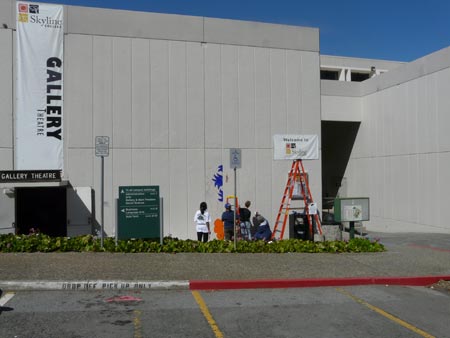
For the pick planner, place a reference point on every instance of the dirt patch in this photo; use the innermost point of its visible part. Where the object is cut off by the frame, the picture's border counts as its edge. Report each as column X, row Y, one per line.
column 441, row 285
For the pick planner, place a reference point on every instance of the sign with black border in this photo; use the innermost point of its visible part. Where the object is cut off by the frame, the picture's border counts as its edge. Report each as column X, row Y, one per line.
column 19, row 176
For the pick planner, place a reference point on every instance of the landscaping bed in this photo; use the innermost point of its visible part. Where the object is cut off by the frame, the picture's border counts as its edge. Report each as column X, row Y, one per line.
column 88, row 243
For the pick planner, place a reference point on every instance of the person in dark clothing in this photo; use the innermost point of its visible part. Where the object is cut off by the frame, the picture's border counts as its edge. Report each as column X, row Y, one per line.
column 256, row 221
column 244, row 216
column 263, row 232
column 228, row 222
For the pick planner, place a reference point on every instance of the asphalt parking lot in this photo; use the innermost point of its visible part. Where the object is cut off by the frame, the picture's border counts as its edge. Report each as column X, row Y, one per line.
column 357, row 311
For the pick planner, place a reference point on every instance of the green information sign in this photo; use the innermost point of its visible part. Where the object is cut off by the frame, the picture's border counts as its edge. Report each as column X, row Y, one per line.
column 139, row 212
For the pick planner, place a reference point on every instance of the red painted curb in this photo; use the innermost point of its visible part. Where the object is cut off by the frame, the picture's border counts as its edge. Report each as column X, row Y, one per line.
column 312, row 282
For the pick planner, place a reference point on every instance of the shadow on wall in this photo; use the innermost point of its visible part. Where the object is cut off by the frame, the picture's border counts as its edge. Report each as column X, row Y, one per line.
column 338, row 139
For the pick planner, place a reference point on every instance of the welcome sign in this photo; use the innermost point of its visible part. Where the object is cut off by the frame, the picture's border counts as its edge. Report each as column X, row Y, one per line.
column 296, row 147
column 39, row 86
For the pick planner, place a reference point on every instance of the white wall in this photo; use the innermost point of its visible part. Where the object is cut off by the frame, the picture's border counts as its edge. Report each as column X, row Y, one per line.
column 401, row 158
column 174, row 94
column 173, row 109
column 340, row 101
column 6, row 124
column 6, row 98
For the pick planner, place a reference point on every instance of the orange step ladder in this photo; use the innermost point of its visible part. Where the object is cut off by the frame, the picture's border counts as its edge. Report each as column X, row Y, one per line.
column 297, row 176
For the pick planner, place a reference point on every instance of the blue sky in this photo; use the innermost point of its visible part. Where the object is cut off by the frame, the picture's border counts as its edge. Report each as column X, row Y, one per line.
column 399, row 30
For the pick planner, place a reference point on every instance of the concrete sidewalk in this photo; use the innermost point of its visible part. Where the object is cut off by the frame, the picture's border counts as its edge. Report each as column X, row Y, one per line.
column 410, row 259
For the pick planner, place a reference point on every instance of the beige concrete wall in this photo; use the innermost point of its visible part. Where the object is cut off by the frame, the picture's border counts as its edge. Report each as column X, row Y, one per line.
column 173, row 109
column 6, row 118
column 6, row 98
column 341, row 108
column 340, row 101
column 7, row 16
column 175, row 93
column 401, row 155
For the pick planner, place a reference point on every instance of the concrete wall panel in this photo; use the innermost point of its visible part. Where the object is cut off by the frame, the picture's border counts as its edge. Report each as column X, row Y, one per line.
column 230, row 96
column 140, row 162
column 262, row 98
column 246, row 87
column 443, row 189
column 7, row 218
column 140, row 93
column 278, row 98
column 399, row 143
column 412, row 130
column 442, row 96
column 429, row 183
column 7, row 13
column 81, row 164
column 402, row 134
column 245, row 33
column 341, row 108
column 195, row 190
column 177, row 203
column 102, row 86
column 175, row 99
column 293, row 92
column 106, row 22
column 195, row 120
column 159, row 171
column 6, row 158
column 427, row 116
column 340, row 88
column 159, row 84
column 6, row 89
column 177, row 95
column 400, row 187
column 310, row 77
column 213, row 96
column 78, row 82
column 121, row 89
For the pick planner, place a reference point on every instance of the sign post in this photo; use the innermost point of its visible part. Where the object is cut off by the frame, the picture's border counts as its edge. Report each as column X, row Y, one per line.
column 102, row 151
column 235, row 162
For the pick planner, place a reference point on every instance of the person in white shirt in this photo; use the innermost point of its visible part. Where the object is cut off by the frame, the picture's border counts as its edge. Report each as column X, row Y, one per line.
column 202, row 220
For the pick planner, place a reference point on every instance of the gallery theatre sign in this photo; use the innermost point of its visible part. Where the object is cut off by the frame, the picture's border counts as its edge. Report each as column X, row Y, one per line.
column 15, row 176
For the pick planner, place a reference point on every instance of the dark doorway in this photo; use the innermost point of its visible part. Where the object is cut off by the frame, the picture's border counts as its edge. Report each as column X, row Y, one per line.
column 43, row 209
column 338, row 139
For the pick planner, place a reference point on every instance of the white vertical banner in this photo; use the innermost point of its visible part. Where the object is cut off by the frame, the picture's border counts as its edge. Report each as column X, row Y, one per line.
column 295, row 147
column 39, row 87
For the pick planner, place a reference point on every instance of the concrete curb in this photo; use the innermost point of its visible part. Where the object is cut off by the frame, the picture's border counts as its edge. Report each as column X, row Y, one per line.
column 92, row 285
column 314, row 282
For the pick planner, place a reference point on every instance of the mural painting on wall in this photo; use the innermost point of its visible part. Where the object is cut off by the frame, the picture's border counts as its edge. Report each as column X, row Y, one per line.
column 218, row 182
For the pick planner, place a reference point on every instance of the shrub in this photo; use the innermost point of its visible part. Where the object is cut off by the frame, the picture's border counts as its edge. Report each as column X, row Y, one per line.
column 88, row 243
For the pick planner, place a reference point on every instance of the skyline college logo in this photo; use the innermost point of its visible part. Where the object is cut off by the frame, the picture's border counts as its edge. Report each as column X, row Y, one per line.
column 29, row 13
column 25, row 9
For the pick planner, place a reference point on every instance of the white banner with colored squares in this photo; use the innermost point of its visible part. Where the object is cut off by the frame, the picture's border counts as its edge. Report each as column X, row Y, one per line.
column 39, row 87
column 296, row 147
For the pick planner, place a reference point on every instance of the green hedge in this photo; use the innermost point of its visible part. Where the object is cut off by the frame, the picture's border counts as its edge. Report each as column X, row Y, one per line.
column 44, row 243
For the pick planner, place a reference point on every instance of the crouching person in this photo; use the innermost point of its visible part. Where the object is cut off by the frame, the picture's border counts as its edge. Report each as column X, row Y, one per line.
column 263, row 231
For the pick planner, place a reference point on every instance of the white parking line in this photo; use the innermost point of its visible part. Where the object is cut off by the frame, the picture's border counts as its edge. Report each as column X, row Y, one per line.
column 7, row 297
